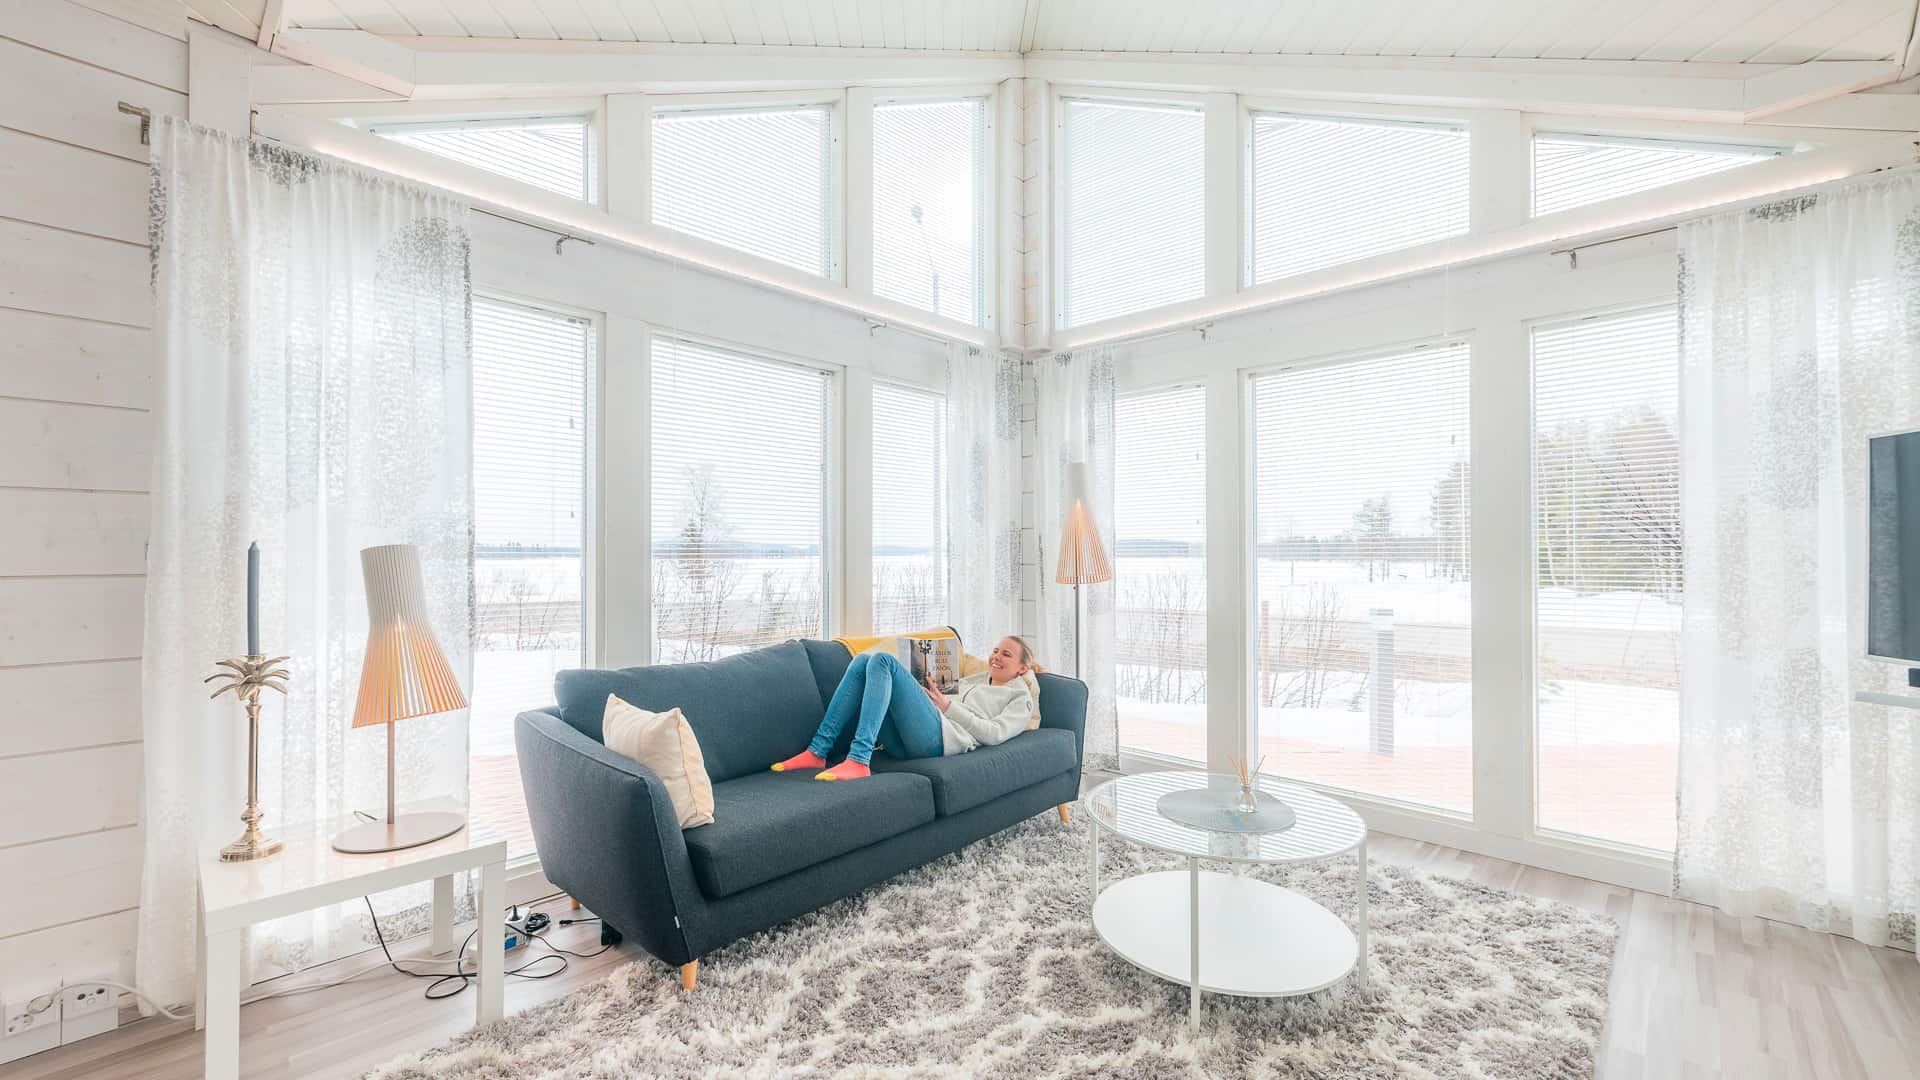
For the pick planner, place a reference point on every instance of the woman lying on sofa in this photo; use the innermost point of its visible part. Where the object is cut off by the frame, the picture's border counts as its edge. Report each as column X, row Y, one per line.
column 915, row 720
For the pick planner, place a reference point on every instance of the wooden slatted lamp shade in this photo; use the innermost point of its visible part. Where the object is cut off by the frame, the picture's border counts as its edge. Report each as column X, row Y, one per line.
column 404, row 675
column 1083, row 557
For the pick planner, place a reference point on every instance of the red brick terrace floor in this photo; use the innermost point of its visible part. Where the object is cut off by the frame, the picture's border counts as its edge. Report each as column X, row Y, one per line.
column 1621, row 793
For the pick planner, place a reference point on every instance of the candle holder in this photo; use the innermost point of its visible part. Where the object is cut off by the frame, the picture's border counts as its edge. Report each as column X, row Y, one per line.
column 246, row 677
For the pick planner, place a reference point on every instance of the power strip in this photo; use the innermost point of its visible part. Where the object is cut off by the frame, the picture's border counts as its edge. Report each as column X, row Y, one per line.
column 521, row 928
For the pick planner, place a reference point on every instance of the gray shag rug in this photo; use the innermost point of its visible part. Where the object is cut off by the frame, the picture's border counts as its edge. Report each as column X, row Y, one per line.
column 985, row 964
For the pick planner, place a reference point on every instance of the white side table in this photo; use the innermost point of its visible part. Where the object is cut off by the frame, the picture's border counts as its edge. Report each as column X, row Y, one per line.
column 309, row 874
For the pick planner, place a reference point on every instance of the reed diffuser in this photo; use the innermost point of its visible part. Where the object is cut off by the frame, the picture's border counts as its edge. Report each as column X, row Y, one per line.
column 1249, row 779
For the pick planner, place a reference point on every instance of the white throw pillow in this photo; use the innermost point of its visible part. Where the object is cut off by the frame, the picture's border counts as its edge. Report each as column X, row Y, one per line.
column 664, row 743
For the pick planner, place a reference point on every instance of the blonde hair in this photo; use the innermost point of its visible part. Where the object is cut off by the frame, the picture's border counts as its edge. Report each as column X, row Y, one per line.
column 1026, row 650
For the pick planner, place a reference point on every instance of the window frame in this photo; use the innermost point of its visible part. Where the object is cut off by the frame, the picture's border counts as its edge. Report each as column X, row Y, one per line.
column 1252, row 106
column 526, row 880
column 833, row 529
column 368, row 117
column 1655, row 137
column 874, row 378
column 1054, row 316
column 990, row 225
column 835, row 101
column 1535, row 830
column 1249, row 731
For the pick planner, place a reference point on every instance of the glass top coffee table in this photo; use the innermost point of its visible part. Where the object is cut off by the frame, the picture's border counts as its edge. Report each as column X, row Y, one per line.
column 1219, row 932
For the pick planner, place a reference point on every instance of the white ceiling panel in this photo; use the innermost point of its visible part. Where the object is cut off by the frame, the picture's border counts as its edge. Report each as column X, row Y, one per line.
column 1727, row 31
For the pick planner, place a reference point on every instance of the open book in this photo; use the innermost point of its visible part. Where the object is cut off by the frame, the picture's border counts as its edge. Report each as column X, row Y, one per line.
column 932, row 660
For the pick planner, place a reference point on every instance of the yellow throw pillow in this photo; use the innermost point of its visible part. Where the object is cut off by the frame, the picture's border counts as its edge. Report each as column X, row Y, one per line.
column 664, row 743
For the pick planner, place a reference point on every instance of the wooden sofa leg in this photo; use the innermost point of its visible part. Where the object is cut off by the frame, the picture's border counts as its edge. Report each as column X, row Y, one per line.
column 1065, row 819
column 689, row 974
column 572, row 904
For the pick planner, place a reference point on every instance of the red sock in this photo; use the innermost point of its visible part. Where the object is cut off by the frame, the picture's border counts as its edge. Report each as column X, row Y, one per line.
column 805, row 759
column 846, row 770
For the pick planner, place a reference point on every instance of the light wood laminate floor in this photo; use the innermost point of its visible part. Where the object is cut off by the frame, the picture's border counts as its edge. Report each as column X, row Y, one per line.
column 1695, row 994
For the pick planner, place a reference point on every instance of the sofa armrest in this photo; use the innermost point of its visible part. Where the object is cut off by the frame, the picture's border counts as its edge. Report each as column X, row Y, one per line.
column 607, row 833
column 1063, row 704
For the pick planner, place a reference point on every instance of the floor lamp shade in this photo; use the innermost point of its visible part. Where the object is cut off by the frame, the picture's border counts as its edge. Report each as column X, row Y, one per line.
column 403, row 676
column 1083, row 558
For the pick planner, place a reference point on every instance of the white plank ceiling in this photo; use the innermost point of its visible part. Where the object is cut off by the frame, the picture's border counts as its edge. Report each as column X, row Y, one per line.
column 1757, row 31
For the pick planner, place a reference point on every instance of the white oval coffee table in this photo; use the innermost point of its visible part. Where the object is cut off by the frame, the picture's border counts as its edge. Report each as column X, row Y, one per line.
column 1249, row 938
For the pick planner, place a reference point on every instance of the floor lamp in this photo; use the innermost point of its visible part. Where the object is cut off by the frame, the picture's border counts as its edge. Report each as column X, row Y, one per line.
column 1083, row 558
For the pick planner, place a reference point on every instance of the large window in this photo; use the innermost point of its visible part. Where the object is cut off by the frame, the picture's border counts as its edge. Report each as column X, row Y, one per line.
column 739, row 500
column 551, row 152
column 1160, row 570
column 1574, row 170
column 1324, row 191
column 1132, row 208
column 1363, row 605
column 1608, row 573
column 759, row 179
column 530, row 407
column 909, row 508
column 930, row 199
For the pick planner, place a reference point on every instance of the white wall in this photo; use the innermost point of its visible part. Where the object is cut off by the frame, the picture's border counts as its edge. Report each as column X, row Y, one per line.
column 76, row 379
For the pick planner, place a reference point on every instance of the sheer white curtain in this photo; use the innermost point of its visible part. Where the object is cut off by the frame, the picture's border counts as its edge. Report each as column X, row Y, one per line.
column 983, row 481
column 1074, row 424
column 314, row 395
column 1800, row 326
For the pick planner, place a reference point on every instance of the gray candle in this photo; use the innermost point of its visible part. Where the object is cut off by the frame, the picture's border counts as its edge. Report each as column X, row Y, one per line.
column 253, row 599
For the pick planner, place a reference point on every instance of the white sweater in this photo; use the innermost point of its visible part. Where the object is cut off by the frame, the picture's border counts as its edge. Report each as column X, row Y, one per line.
column 982, row 714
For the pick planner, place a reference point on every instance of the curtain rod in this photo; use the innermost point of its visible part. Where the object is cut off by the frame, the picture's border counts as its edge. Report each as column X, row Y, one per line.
column 874, row 326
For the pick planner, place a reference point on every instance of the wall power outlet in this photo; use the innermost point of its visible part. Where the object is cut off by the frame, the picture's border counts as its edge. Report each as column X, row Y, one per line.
column 29, row 1023
column 87, row 1007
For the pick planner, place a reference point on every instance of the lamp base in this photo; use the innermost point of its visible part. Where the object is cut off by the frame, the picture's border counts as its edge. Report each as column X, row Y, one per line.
column 405, row 831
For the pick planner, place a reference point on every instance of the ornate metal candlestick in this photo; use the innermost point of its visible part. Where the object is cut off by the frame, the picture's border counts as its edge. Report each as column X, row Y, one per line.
column 247, row 677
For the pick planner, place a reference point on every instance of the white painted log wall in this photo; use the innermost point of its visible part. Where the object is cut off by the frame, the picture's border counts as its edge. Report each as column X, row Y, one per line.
column 76, row 377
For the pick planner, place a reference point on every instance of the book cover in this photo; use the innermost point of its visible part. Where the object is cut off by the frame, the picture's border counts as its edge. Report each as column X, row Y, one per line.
column 933, row 661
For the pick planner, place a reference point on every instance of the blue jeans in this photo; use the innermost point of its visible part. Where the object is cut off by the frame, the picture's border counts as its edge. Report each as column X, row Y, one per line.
column 889, row 706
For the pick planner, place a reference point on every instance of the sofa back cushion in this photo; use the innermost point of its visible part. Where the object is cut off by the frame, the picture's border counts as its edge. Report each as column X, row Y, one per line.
column 748, row 711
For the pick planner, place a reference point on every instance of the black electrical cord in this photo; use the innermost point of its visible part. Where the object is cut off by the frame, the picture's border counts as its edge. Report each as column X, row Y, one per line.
column 460, row 975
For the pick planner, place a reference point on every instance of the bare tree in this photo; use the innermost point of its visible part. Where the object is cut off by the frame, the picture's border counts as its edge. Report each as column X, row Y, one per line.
column 1299, row 635
column 694, row 584
column 1161, row 660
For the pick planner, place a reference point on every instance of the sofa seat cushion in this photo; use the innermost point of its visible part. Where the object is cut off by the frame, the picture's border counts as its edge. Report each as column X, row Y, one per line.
column 769, row 824
column 747, row 711
column 964, row 781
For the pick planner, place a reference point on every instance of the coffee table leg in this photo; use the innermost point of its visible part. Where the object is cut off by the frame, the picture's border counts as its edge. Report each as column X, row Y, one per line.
column 1093, row 845
column 1362, row 905
column 1193, row 940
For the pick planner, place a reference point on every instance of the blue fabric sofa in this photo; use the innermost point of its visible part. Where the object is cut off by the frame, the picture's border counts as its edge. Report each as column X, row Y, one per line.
column 781, row 844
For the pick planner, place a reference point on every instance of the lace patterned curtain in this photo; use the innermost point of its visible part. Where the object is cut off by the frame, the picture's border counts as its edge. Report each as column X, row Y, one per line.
column 1074, row 424
column 313, row 394
column 1801, row 327
column 983, row 475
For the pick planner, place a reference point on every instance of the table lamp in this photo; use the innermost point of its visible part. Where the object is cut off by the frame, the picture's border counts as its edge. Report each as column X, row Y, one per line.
column 1083, row 559
column 403, row 676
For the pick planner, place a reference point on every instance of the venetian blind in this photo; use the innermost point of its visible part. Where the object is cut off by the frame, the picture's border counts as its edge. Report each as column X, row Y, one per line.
column 1574, row 170
column 531, row 374
column 548, row 152
column 739, row 498
column 909, row 508
column 1364, row 625
column 1132, row 208
column 1326, row 191
column 1160, row 569
column 1607, row 545
column 760, row 180
column 930, row 198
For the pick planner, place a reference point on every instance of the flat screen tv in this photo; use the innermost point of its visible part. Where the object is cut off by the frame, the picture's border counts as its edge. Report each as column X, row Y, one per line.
column 1893, row 548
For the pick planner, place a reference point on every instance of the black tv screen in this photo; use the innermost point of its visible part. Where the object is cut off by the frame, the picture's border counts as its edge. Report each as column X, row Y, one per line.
column 1893, row 547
